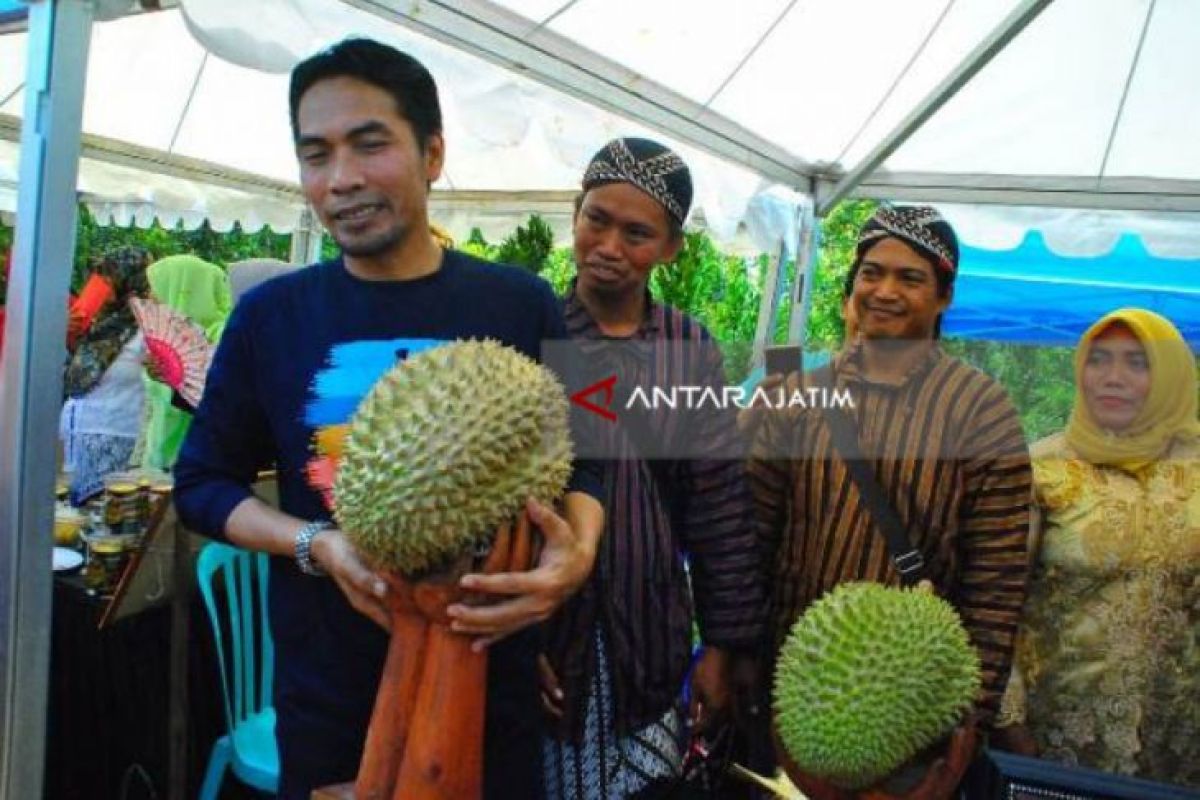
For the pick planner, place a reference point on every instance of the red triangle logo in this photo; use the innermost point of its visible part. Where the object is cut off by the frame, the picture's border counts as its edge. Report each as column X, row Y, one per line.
column 606, row 386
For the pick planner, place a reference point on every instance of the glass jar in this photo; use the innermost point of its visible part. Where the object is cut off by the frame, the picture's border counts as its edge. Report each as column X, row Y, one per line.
column 108, row 553
column 123, row 504
column 68, row 522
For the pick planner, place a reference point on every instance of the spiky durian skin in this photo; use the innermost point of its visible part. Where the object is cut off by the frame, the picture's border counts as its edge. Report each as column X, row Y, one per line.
column 868, row 677
column 444, row 448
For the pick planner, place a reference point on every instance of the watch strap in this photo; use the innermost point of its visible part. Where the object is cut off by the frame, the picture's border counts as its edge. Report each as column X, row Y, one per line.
column 304, row 558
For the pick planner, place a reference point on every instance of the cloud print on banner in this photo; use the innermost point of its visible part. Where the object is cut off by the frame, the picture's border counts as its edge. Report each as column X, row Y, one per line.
column 353, row 369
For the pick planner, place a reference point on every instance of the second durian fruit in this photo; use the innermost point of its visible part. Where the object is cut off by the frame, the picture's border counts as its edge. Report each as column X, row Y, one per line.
column 446, row 447
column 868, row 677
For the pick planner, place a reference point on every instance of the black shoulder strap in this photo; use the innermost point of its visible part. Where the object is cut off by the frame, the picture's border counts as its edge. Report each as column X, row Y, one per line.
column 905, row 558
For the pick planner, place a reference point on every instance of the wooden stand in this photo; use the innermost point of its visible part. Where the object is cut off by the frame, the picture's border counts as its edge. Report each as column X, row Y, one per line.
column 425, row 741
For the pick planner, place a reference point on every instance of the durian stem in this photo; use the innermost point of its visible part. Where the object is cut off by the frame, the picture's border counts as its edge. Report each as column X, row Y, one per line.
column 444, row 756
column 395, row 703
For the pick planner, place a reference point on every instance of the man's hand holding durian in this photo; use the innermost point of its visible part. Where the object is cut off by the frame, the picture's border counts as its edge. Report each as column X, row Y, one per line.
column 365, row 589
column 567, row 555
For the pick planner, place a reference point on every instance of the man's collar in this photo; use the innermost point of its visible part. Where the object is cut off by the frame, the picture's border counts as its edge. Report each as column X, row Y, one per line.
column 652, row 315
column 850, row 364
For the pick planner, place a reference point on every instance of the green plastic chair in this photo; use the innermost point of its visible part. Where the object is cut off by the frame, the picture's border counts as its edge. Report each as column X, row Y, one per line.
column 248, row 747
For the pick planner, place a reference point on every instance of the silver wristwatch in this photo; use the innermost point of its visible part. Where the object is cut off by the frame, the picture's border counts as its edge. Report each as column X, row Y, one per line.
column 304, row 559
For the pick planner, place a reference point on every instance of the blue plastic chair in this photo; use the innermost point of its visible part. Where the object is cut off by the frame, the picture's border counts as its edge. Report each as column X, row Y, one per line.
column 249, row 745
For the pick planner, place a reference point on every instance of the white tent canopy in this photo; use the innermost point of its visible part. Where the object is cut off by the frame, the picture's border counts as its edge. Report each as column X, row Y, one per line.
column 1090, row 96
column 1092, row 104
column 186, row 119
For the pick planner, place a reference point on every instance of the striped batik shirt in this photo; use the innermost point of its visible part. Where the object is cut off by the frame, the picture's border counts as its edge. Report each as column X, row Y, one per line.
column 947, row 448
column 656, row 515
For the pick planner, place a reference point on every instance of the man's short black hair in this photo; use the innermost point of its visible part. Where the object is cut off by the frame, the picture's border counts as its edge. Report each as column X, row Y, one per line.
column 399, row 74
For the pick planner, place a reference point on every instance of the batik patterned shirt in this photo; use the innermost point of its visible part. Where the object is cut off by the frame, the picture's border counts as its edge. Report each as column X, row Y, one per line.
column 659, row 514
column 947, row 448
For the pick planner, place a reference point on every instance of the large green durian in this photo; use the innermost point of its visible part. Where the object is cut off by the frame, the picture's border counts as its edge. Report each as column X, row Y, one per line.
column 868, row 677
column 446, row 447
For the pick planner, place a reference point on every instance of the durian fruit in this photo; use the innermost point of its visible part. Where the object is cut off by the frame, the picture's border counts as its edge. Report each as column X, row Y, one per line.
column 868, row 677
column 446, row 447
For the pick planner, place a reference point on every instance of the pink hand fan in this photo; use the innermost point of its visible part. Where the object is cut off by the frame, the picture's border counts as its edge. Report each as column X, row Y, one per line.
column 177, row 347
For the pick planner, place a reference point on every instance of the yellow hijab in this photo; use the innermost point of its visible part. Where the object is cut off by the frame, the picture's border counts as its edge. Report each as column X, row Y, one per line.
column 1170, row 407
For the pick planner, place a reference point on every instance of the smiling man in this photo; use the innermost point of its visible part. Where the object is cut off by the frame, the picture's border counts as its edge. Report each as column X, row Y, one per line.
column 296, row 357
column 942, row 440
column 618, row 653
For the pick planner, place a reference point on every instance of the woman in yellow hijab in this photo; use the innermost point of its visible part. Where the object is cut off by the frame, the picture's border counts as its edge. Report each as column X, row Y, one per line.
column 200, row 291
column 1107, row 670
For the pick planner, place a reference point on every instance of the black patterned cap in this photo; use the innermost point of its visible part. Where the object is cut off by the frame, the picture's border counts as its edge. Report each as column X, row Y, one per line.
column 920, row 227
column 648, row 165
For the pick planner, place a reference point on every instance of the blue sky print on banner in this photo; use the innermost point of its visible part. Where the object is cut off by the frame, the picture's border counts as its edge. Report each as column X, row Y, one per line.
column 354, row 367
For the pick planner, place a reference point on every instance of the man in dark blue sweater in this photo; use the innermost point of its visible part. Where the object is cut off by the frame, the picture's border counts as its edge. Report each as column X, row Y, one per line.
column 297, row 355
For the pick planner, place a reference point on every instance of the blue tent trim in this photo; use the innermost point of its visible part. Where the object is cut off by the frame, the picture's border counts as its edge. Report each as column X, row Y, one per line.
column 1032, row 295
column 12, row 10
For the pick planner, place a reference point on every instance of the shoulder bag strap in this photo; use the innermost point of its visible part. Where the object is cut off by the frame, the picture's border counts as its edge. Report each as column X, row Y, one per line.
column 905, row 558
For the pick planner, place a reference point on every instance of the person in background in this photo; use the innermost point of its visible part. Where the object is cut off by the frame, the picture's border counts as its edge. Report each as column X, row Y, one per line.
column 82, row 309
column 200, row 291
column 103, row 384
column 245, row 275
column 1107, row 671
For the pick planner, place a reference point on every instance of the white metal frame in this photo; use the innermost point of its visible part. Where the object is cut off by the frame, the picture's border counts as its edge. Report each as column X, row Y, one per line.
column 807, row 253
column 31, row 378
column 1056, row 191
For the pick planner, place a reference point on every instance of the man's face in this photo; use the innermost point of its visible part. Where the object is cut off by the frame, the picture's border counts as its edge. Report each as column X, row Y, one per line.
column 620, row 234
column 361, row 167
column 895, row 293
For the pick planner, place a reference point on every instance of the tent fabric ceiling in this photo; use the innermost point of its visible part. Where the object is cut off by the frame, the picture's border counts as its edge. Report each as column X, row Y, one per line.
column 1073, row 95
column 152, row 84
column 129, row 195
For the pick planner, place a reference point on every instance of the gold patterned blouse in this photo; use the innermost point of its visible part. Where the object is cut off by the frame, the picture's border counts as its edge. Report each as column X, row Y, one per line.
column 1108, row 658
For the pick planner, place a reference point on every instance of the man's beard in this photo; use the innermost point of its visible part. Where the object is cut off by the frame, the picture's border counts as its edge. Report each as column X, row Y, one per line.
column 372, row 246
column 895, row 343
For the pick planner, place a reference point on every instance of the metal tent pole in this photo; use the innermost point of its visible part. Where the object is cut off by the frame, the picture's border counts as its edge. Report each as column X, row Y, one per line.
column 768, row 305
column 31, row 377
column 806, row 267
